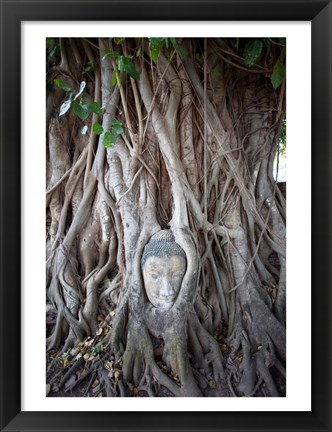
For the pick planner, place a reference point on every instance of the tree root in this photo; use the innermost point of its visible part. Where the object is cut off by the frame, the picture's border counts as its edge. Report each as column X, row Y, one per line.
column 103, row 376
column 229, row 382
column 74, row 368
column 255, row 365
column 187, row 160
column 205, row 349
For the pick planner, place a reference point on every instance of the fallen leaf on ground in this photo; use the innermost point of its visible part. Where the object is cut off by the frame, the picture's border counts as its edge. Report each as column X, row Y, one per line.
column 117, row 373
column 95, row 383
column 212, row 384
column 108, row 365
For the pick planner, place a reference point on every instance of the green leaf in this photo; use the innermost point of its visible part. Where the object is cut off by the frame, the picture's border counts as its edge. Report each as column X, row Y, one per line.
column 120, row 63
column 278, row 74
column 109, row 138
column 216, row 73
column 132, row 71
column 156, row 44
column 117, row 127
column 108, row 53
column 82, row 87
column 125, row 65
column 179, row 48
column 114, row 137
column 89, row 67
column 119, row 41
column 156, row 41
column 80, row 110
column 95, row 108
column 154, row 53
column 97, row 128
column 252, row 51
column 114, row 78
column 84, row 130
column 198, row 56
column 63, row 85
column 66, row 105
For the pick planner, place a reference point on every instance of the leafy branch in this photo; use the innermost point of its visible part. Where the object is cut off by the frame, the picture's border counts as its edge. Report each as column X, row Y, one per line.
column 83, row 110
column 157, row 44
column 122, row 64
column 110, row 136
column 253, row 51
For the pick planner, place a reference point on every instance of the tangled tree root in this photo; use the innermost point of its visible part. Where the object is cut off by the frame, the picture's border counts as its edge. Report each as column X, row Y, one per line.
column 196, row 139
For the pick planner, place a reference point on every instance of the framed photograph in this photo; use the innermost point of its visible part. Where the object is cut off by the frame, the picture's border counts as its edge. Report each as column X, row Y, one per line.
column 165, row 175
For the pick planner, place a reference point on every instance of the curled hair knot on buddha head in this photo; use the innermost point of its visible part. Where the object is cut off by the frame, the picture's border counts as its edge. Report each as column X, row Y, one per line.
column 162, row 244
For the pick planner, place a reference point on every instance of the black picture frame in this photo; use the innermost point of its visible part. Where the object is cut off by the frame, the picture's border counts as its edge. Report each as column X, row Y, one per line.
column 12, row 12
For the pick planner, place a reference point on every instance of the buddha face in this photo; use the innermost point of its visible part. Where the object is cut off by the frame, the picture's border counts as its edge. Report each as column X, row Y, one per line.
column 162, row 279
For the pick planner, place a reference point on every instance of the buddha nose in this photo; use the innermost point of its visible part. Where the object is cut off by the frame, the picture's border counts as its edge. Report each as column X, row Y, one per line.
column 166, row 289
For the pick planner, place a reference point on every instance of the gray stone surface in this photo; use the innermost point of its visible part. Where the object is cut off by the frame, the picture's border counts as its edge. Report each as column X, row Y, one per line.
column 163, row 267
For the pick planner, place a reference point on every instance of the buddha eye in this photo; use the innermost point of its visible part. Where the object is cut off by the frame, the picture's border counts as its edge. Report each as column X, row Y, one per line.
column 154, row 276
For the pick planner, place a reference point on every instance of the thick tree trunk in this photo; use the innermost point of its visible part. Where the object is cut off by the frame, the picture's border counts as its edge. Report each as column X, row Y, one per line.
column 199, row 129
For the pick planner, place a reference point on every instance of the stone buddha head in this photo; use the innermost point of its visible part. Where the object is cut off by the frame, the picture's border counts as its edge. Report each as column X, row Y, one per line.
column 163, row 266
